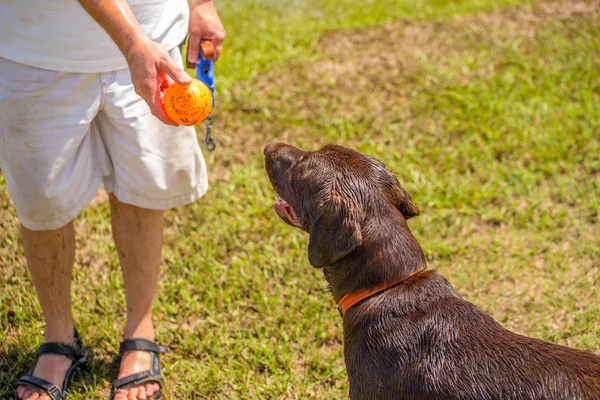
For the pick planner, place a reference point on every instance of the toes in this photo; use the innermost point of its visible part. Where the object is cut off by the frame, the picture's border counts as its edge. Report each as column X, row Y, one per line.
column 136, row 393
column 33, row 396
column 27, row 392
column 142, row 393
column 149, row 389
column 121, row 395
column 132, row 395
column 152, row 388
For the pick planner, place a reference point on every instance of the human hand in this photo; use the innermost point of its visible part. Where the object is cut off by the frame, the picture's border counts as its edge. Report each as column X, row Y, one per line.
column 205, row 24
column 152, row 71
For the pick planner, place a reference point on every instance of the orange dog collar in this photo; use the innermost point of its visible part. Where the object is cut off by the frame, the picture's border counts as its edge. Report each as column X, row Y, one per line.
column 351, row 299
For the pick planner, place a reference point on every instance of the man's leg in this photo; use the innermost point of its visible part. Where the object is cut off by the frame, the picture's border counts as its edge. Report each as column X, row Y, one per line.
column 154, row 167
column 138, row 235
column 52, row 171
column 50, row 256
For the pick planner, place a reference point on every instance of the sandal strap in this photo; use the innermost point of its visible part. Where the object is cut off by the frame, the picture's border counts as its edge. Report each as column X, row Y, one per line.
column 51, row 389
column 141, row 344
column 136, row 379
column 58, row 348
column 74, row 352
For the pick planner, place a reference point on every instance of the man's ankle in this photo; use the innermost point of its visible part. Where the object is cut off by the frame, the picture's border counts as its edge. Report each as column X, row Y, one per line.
column 139, row 328
column 60, row 334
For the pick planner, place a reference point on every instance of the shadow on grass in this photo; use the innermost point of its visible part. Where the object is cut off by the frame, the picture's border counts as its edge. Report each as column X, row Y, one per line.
column 15, row 362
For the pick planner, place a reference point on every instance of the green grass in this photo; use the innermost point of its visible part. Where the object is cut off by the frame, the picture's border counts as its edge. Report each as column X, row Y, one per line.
column 265, row 34
column 488, row 116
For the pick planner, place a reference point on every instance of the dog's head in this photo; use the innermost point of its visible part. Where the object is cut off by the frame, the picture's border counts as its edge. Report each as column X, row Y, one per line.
column 330, row 193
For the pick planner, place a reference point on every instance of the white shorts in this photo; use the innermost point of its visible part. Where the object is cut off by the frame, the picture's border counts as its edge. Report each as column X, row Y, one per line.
column 63, row 134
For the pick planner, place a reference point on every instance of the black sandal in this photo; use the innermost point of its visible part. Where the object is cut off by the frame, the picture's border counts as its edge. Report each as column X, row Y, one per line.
column 154, row 374
column 76, row 353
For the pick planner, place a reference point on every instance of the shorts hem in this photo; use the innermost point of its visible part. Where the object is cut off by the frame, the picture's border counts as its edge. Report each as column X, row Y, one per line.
column 128, row 197
column 77, row 209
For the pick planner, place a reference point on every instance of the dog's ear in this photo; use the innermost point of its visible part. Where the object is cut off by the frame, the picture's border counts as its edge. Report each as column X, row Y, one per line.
column 334, row 235
column 405, row 204
column 402, row 199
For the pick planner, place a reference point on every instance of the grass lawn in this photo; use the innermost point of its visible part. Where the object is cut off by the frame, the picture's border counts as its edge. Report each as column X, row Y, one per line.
column 489, row 116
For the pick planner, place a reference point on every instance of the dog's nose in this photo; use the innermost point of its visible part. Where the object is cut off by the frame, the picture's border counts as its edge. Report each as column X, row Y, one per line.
column 271, row 147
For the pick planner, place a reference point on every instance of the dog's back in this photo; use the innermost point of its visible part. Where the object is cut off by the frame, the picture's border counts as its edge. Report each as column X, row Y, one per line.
column 407, row 333
column 421, row 340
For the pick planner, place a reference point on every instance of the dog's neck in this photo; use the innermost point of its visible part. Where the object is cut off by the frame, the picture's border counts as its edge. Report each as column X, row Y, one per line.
column 389, row 253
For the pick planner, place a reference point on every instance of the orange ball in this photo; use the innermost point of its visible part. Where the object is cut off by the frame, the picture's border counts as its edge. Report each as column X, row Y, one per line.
column 188, row 104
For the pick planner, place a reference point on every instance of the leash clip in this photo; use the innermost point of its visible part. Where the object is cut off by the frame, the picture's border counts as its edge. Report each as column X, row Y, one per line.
column 210, row 142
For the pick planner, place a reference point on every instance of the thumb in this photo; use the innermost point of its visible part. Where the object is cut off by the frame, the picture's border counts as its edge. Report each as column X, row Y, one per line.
column 176, row 73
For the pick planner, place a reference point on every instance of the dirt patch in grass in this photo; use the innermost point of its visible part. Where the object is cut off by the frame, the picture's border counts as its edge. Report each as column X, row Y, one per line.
column 431, row 37
column 366, row 75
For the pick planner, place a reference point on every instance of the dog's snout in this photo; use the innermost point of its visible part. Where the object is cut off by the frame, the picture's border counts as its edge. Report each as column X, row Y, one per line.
column 271, row 147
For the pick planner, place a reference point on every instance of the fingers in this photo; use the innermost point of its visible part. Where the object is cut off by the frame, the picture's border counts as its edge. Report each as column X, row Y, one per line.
column 218, row 47
column 217, row 41
column 166, row 83
column 152, row 71
column 205, row 24
column 153, row 94
column 194, row 47
column 157, row 107
column 175, row 72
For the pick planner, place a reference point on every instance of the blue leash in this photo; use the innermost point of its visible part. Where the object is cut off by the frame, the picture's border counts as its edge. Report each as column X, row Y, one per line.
column 205, row 73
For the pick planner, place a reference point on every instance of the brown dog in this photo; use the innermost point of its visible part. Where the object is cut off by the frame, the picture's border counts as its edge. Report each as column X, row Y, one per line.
column 407, row 333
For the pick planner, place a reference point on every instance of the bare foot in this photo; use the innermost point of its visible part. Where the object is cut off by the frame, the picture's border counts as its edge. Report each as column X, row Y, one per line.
column 131, row 363
column 50, row 367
